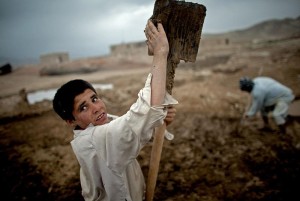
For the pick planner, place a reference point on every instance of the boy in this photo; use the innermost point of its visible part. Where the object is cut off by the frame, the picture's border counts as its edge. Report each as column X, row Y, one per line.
column 106, row 149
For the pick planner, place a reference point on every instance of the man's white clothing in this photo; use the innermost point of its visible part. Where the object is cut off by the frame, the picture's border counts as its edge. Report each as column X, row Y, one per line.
column 266, row 93
column 107, row 154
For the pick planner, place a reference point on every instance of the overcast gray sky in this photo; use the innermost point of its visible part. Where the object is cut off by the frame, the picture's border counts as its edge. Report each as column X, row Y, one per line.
column 87, row 28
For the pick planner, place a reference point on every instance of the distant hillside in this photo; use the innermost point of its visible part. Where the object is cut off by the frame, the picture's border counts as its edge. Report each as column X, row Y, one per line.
column 267, row 30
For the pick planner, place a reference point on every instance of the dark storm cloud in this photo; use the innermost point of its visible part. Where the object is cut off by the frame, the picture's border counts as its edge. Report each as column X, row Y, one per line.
column 33, row 27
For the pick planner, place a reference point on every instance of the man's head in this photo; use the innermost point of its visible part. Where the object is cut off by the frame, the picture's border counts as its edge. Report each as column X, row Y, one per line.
column 63, row 101
column 246, row 84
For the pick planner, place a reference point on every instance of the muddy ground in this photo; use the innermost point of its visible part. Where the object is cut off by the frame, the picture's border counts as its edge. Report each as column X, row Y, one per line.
column 213, row 157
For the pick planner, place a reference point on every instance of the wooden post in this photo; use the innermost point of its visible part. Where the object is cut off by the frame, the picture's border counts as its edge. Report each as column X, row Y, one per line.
column 154, row 161
column 183, row 22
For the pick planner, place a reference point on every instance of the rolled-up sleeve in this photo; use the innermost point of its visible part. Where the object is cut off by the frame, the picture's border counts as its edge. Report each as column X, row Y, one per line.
column 125, row 136
column 257, row 102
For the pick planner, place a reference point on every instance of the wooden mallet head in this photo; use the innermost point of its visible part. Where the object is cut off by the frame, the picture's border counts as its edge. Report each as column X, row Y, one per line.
column 183, row 22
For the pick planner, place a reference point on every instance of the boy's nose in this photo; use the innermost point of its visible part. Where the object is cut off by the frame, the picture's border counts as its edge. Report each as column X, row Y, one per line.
column 94, row 108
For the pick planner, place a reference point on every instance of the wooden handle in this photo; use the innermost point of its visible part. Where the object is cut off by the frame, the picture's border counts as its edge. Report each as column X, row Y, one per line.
column 154, row 161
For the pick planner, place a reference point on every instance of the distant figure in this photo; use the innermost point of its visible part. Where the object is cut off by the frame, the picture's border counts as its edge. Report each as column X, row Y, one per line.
column 268, row 95
column 226, row 41
column 23, row 98
column 23, row 95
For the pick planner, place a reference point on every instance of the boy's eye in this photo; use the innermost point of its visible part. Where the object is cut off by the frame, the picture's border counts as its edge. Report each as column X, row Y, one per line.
column 95, row 99
column 83, row 108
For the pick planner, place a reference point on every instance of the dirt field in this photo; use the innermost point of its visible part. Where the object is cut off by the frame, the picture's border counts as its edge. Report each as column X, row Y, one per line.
column 213, row 157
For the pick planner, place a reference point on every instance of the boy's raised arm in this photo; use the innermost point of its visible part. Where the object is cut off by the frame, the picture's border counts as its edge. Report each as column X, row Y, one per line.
column 158, row 46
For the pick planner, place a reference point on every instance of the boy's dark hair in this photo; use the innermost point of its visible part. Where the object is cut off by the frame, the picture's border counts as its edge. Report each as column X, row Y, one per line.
column 64, row 98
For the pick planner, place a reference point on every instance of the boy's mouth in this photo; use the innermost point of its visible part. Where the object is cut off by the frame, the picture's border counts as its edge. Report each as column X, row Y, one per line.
column 101, row 117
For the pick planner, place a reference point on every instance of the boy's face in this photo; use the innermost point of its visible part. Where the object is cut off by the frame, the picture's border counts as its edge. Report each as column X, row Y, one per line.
column 88, row 108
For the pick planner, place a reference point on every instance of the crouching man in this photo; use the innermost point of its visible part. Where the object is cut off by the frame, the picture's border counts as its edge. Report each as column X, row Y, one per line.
column 268, row 95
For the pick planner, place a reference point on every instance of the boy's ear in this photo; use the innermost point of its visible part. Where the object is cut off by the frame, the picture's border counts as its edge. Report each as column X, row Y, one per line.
column 71, row 123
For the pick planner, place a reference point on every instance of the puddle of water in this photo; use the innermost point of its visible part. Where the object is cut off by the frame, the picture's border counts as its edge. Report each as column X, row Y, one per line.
column 41, row 95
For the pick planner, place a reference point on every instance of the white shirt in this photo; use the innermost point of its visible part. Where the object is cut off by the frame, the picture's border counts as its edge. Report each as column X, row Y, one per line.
column 107, row 154
column 267, row 92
